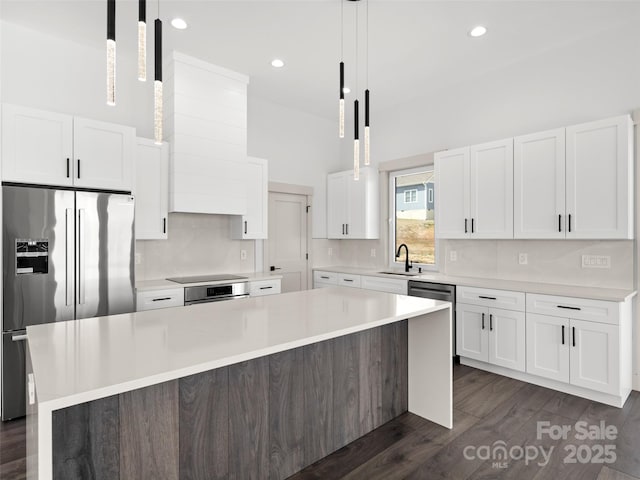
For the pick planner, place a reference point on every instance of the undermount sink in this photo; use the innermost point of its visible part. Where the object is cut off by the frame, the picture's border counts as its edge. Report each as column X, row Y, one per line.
column 403, row 274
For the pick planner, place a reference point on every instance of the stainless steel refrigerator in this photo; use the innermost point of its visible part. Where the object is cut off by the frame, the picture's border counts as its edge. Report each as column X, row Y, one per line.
column 66, row 255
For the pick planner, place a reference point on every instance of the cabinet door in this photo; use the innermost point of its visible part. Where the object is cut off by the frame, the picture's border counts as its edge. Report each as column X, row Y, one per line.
column 507, row 339
column 452, row 194
column 472, row 329
column 337, row 205
column 151, row 189
column 253, row 225
column 37, row 146
column 595, row 356
column 548, row 346
column 357, row 205
column 103, row 154
column 599, row 179
column 491, row 189
column 539, row 179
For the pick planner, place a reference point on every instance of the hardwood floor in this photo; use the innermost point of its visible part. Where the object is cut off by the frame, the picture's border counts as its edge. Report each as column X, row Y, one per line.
column 487, row 409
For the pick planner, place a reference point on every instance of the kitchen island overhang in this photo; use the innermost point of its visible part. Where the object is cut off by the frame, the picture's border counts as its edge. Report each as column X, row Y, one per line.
column 74, row 363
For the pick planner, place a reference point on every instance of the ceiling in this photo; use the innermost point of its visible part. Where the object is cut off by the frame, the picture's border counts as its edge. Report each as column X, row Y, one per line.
column 416, row 47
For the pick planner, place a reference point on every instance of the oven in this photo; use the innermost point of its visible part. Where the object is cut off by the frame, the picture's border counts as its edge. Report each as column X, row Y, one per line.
column 215, row 293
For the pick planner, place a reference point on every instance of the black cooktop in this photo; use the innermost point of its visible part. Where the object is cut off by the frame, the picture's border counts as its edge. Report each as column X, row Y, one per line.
column 206, row 278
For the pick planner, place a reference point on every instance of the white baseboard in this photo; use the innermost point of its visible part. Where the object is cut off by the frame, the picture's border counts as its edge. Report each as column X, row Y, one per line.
column 636, row 382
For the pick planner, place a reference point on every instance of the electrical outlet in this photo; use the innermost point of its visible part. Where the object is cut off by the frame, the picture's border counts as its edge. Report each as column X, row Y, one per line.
column 596, row 261
column 453, row 256
column 523, row 258
column 243, row 254
column 138, row 258
column 330, row 252
column 373, row 252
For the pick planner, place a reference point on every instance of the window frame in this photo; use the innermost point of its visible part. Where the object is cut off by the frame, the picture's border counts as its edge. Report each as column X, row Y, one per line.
column 392, row 221
column 413, row 191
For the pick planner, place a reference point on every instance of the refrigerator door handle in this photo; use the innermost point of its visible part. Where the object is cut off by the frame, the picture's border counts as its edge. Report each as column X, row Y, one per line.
column 19, row 337
column 69, row 256
column 81, row 257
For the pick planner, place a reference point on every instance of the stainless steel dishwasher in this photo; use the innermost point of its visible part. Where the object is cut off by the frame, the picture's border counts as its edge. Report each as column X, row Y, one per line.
column 438, row 291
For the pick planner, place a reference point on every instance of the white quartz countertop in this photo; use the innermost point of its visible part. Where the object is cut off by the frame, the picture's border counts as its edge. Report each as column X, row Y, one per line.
column 594, row 293
column 163, row 283
column 82, row 360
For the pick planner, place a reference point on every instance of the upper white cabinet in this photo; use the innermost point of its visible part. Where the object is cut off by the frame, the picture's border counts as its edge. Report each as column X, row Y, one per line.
column 54, row 149
column 599, row 188
column 254, row 224
column 103, row 154
column 352, row 205
column 206, row 126
column 539, row 184
column 37, row 146
column 474, row 193
column 151, row 189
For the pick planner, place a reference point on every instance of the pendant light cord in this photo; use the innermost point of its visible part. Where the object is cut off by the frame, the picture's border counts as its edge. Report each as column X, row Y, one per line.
column 367, row 14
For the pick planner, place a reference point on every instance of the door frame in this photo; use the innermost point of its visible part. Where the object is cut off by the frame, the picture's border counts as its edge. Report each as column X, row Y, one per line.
column 262, row 246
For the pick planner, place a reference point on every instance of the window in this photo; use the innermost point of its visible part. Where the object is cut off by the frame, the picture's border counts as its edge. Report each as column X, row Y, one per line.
column 412, row 210
column 411, row 196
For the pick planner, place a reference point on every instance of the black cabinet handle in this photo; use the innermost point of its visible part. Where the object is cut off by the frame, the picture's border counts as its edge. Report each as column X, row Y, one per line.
column 487, row 298
column 568, row 308
column 562, row 334
column 560, row 223
column 343, row 228
column 465, row 226
column 78, row 168
column 164, row 225
column 491, row 322
column 245, row 227
column 347, row 229
column 347, row 280
column 68, row 169
column 472, row 225
column 265, row 288
column 326, row 278
column 483, row 321
column 161, row 299
column 573, row 332
column 569, row 222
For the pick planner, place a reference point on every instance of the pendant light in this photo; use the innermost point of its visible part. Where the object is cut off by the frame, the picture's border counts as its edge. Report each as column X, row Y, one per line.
column 142, row 40
column 157, row 84
column 111, row 52
column 341, row 114
column 356, row 114
column 367, row 137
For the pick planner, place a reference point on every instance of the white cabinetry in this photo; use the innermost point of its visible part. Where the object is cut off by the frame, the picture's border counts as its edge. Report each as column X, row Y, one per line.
column 155, row 299
column 539, row 184
column 490, row 334
column 48, row 148
column 474, row 193
column 324, row 279
column 599, row 187
column 348, row 280
column 581, row 345
column 254, row 224
column 352, row 205
column 382, row 284
column 260, row 288
column 151, row 189
column 206, row 125
column 37, row 146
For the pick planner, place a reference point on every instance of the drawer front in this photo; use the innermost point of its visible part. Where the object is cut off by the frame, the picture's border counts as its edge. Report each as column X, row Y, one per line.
column 578, row 308
column 346, row 280
column 384, row 285
column 488, row 297
column 155, row 299
column 264, row 287
column 326, row 278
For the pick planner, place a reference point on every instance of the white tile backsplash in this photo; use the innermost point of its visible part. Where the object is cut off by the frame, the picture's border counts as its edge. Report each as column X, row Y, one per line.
column 197, row 244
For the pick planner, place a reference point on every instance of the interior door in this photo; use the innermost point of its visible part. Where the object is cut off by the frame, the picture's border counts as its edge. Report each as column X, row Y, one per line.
column 472, row 328
column 548, row 346
column 452, row 194
column 507, row 339
column 287, row 245
column 105, row 260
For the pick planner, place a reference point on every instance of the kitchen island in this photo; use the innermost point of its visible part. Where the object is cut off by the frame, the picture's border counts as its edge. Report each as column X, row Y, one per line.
column 252, row 388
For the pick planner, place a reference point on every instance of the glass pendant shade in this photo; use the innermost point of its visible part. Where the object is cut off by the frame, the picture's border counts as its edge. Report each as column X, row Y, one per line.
column 367, row 138
column 341, row 115
column 356, row 142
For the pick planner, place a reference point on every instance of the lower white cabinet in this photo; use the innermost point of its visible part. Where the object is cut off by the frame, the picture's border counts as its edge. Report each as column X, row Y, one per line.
column 348, row 280
column 491, row 335
column 583, row 353
column 324, row 279
column 260, row 288
column 381, row 284
column 155, row 299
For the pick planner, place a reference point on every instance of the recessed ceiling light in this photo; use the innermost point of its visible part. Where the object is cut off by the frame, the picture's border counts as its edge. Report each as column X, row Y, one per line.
column 178, row 23
column 478, row 31
column 277, row 63
column 346, row 90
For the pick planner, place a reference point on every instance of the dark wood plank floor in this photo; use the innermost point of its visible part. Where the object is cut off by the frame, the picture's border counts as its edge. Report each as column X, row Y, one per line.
column 487, row 409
